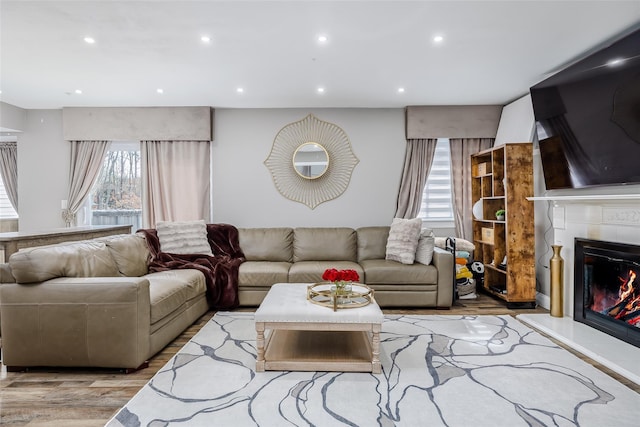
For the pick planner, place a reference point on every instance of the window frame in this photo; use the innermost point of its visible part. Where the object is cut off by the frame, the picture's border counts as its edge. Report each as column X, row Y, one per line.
column 7, row 211
column 442, row 150
column 87, row 206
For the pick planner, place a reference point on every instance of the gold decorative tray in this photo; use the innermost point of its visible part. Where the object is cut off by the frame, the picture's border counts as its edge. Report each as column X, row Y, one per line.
column 325, row 294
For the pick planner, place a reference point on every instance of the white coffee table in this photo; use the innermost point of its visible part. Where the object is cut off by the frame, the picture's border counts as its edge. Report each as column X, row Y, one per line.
column 307, row 337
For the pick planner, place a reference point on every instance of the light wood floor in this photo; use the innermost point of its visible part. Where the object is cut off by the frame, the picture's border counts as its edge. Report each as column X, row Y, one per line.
column 82, row 397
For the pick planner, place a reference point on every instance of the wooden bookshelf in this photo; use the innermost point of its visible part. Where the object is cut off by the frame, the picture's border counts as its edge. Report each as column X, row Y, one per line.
column 502, row 178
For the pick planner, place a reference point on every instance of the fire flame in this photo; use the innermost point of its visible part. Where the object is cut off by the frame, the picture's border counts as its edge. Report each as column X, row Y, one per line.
column 627, row 305
column 627, row 288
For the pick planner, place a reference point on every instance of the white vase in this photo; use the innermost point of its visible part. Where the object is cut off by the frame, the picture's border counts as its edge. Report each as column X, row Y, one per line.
column 477, row 210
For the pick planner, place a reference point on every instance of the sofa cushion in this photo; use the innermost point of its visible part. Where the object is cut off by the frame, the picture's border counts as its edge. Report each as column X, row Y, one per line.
column 86, row 258
column 426, row 245
column 372, row 242
column 267, row 244
column 263, row 273
column 169, row 290
column 324, row 244
column 130, row 253
column 183, row 237
column 311, row 271
column 382, row 272
column 403, row 240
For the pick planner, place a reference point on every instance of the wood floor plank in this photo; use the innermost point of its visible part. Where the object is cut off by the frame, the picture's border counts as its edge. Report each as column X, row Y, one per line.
column 90, row 397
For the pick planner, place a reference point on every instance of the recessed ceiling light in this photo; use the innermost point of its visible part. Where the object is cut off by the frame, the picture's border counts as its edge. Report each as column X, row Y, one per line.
column 438, row 39
column 322, row 38
column 320, row 90
column 78, row 92
column 89, row 40
column 240, row 90
column 400, row 90
column 205, row 39
column 160, row 90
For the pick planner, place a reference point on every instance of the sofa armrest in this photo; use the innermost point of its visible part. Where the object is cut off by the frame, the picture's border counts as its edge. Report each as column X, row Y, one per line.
column 444, row 262
column 97, row 322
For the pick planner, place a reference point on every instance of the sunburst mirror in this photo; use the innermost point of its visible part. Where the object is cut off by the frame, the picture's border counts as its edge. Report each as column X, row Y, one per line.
column 311, row 161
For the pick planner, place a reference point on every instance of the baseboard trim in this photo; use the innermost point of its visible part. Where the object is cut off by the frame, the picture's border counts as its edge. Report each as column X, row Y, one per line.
column 543, row 300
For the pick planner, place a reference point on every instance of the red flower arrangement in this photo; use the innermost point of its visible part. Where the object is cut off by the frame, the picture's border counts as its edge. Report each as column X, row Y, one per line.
column 333, row 275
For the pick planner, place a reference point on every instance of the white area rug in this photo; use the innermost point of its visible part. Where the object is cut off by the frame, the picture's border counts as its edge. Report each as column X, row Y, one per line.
column 437, row 371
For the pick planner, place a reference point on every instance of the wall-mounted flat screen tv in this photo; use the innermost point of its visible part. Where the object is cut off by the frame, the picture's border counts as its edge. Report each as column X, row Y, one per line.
column 588, row 119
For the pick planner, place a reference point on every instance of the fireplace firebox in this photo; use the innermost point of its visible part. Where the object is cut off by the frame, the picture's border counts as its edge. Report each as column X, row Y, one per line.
column 607, row 288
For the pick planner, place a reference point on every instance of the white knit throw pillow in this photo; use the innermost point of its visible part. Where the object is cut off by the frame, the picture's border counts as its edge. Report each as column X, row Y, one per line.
column 183, row 237
column 403, row 240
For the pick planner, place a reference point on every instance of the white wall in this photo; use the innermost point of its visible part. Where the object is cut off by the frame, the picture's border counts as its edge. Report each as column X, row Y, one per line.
column 243, row 190
column 516, row 122
column 517, row 125
column 12, row 118
column 43, row 171
column 559, row 222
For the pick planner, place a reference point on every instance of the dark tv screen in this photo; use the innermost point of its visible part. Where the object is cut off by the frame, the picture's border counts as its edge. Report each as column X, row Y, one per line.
column 588, row 119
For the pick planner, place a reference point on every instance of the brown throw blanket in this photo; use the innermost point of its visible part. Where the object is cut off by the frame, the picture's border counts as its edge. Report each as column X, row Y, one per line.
column 220, row 270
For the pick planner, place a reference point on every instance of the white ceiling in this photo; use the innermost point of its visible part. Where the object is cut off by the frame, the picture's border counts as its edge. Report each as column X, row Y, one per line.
column 492, row 52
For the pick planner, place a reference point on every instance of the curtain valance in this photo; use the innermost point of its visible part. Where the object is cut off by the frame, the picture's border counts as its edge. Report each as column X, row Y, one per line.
column 138, row 123
column 452, row 121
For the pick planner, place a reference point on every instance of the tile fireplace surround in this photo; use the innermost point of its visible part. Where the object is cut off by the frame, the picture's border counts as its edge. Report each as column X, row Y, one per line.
column 614, row 218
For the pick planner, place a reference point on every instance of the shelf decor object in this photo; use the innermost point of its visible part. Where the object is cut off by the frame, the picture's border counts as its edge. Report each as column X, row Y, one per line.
column 556, row 266
column 325, row 294
column 477, row 210
column 286, row 167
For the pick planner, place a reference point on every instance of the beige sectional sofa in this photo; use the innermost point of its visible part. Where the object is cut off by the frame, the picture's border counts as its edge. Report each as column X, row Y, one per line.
column 301, row 255
column 93, row 303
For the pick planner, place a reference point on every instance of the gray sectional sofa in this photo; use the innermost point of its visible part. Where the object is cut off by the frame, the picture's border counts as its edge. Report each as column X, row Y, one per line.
column 301, row 255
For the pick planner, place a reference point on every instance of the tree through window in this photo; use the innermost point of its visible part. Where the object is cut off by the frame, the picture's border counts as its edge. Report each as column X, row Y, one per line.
column 116, row 196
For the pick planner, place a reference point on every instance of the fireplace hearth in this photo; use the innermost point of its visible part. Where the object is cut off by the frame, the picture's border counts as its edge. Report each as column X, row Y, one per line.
column 607, row 288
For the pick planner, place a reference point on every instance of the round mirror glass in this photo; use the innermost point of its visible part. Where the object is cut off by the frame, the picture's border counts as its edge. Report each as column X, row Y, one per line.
column 311, row 160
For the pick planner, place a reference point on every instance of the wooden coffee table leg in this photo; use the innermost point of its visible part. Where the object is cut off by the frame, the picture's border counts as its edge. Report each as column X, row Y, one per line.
column 260, row 345
column 376, row 367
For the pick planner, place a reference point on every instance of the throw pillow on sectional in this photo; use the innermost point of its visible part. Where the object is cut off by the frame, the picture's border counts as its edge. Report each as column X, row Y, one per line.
column 403, row 240
column 183, row 237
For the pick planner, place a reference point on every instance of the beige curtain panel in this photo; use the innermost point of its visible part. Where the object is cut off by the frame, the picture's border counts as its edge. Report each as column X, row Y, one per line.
column 461, row 150
column 86, row 162
column 9, row 170
column 175, row 181
column 417, row 164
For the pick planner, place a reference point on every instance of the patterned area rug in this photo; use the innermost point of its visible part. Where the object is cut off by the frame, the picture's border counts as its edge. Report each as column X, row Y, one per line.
column 437, row 371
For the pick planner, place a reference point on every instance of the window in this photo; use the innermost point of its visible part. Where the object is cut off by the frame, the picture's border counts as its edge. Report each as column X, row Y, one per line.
column 437, row 202
column 116, row 195
column 6, row 208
